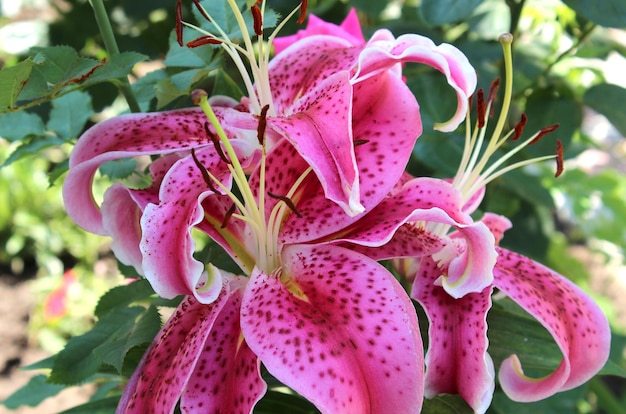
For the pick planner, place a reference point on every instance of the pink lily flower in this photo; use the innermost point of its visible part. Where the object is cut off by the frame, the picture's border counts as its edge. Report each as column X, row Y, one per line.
column 457, row 361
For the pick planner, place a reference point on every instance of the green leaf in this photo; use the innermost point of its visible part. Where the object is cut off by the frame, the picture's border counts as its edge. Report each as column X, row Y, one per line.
column 115, row 348
column 77, row 361
column 12, row 81
column 32, row 146
column 513, row 331
column 438, row 12
column 608, row 100
column 118, row 169
column 225, row 85
column 183, row 56
column 446, row 404
column 15, row 126
column 117, row 66
column 545, row 108
column 103, row 406
column 610, row 13
column 490, row 19
column 278, row 402
column 121, row 296
column 69, row 114
column 33, row 393
column 563, row 402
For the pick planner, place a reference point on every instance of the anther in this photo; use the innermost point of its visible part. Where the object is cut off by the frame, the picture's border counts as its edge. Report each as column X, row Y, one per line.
column 481, row 107
column 519, row 127
column 260, row 131
column 201, row 10
column 216, row 144
column 228, row 215
column 543, row 132
column 179, row 22
column 559, row 158
column 205, row 174
column 203, row 40
column 287, row 201
column 491, row 96
column 258, row 20
column 303, row 6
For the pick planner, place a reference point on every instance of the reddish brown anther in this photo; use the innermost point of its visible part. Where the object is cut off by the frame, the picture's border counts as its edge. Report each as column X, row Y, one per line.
column 201, row 9
column 543, row 132
column 481, row 107
column 179, row 22
column 491, row 97
column 203, row 40
column 287, row 201
column 260, row 131
column 205, row 174
column 519, row 127
column 228, row 215
column 303, row 6
column 559, row 158
column 216, row 144
column 257, row 16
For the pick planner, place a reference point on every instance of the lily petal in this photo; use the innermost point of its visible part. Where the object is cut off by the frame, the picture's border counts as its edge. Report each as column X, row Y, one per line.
column 350, row 30
column 121, row 137
column 457, row 361
column 198, row 343
column 381, row 53
column 578, row 325
column 321, row 131
column 347, row 339
column 121, row 212
column 166, row 244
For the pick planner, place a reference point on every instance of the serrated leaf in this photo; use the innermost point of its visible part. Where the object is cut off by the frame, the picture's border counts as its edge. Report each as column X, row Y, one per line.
column 118, row 66
column 69, row 114
column 77, row 361
column 145, row 88
column 12, row 81
column 608, row 100
column 438, row 12
column 610, row 13
column 122, row 296
column 45, row 363
column 115, row 348
column 103, row 406
column 118, row 169
column 33, row 393
column 15, row 126
column 225, row 85
column 166, row 92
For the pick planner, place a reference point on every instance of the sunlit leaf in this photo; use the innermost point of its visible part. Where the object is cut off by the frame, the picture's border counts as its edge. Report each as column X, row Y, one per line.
column 12, row 81
column 121, row 296
column 69, row 114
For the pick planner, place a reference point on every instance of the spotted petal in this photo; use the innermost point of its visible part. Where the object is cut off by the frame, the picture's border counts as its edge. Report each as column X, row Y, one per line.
column 198, row 355
column 577, row 324
column 342, row 332
column 350, row 30
column 457, row 361
column 383, row 52
column 166, row 244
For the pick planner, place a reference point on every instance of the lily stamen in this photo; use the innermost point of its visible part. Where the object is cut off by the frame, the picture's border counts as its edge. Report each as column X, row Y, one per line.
column 287, row 201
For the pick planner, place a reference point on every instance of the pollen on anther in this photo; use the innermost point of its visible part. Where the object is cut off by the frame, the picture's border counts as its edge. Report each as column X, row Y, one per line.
column 257, row 16
column 303, row 6
column 543, row 132
column 481, row 107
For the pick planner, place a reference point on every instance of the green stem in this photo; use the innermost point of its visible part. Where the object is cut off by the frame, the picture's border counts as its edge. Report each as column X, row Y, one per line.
column 104, row 24
column 606, row 399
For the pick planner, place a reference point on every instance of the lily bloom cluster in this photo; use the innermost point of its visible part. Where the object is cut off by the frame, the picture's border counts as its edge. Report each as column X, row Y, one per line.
column 303, row 184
